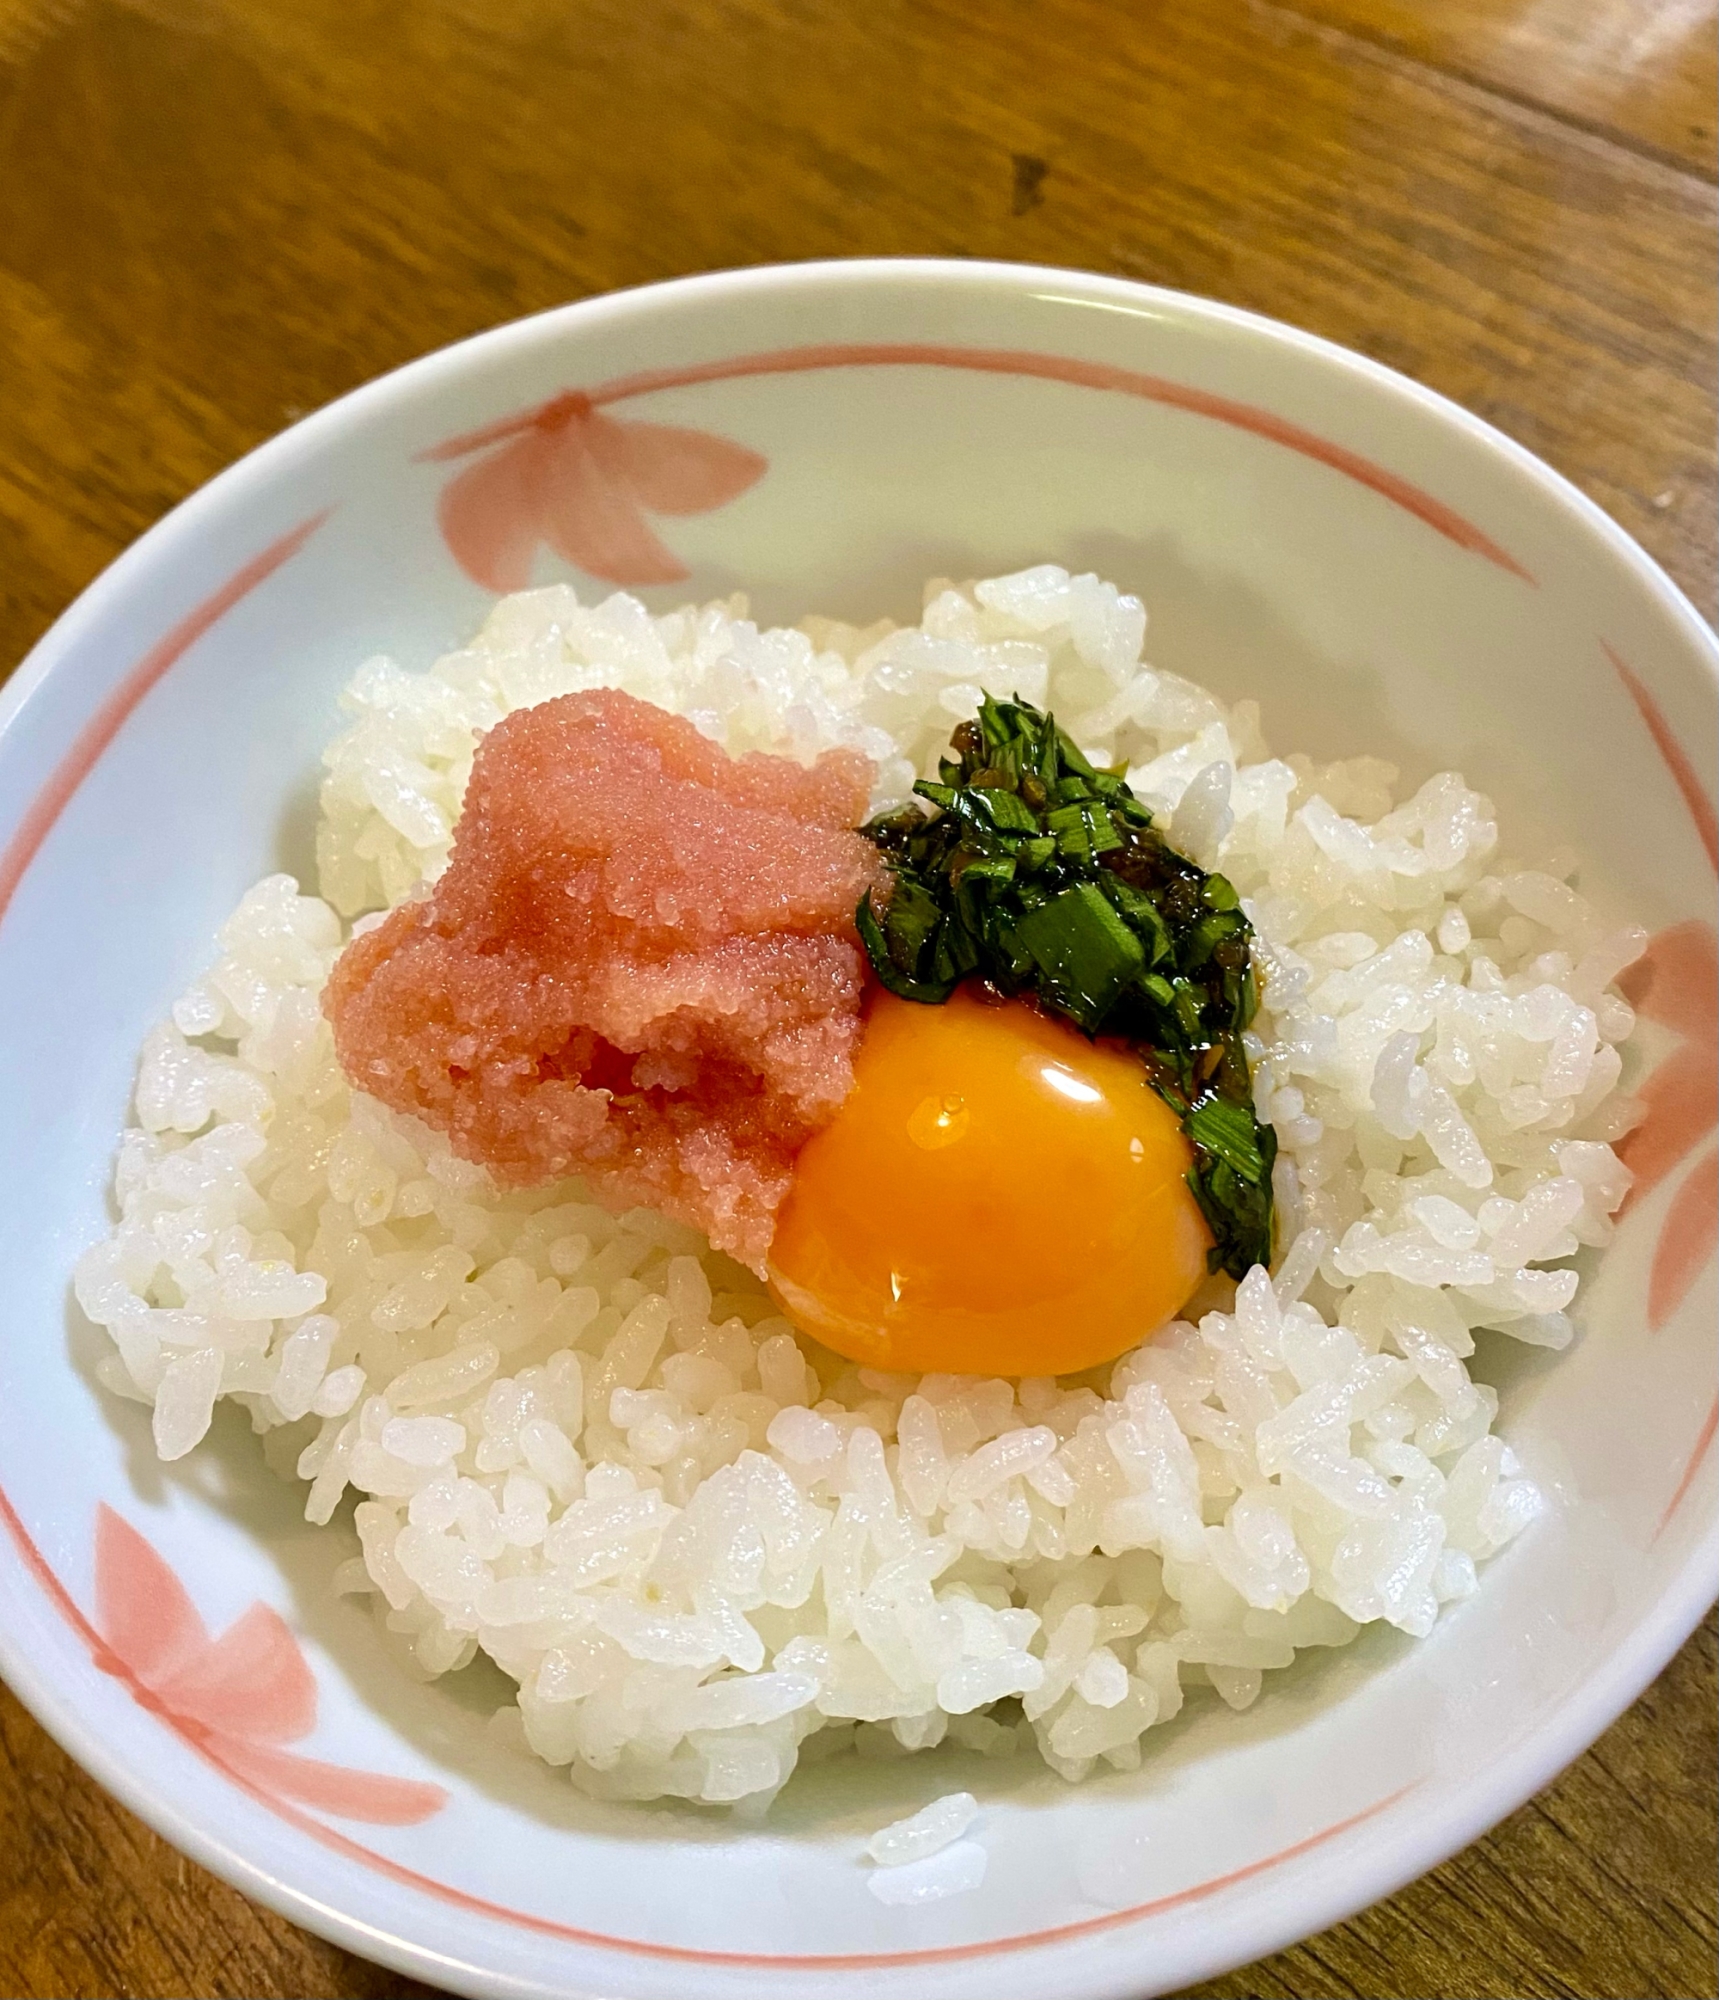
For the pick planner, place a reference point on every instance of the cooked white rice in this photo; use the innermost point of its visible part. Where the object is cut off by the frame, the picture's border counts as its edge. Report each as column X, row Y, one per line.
column 925, row 1832
column 587, row 1444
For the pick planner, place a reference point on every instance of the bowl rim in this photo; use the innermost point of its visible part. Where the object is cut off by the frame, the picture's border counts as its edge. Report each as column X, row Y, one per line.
column 1402, row 1846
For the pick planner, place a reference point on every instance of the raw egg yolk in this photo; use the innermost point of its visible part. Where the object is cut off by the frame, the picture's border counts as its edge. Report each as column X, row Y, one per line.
column 996, row 1196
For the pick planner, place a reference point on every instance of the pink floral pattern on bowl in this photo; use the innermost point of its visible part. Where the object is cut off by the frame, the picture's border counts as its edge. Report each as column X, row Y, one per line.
column 564, row 474
column 234, row 1699
column 1676, row 983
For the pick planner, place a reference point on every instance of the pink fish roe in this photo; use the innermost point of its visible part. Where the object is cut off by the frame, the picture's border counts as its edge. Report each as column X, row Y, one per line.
column 640, row 965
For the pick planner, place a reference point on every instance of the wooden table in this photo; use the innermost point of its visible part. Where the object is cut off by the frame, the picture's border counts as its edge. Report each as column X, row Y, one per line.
column 217, row 214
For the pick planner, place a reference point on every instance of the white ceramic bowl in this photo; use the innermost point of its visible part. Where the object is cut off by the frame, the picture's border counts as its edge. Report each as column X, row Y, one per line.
column 1383, row 571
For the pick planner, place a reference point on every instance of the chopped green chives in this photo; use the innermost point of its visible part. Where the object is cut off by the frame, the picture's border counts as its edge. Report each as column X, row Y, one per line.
column 1045, row 877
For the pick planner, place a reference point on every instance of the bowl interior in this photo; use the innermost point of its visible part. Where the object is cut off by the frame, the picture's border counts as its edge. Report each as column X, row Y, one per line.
column 1380, row 572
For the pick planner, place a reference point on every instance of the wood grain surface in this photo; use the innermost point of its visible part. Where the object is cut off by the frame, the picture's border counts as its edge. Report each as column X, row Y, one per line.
column 218, row 214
